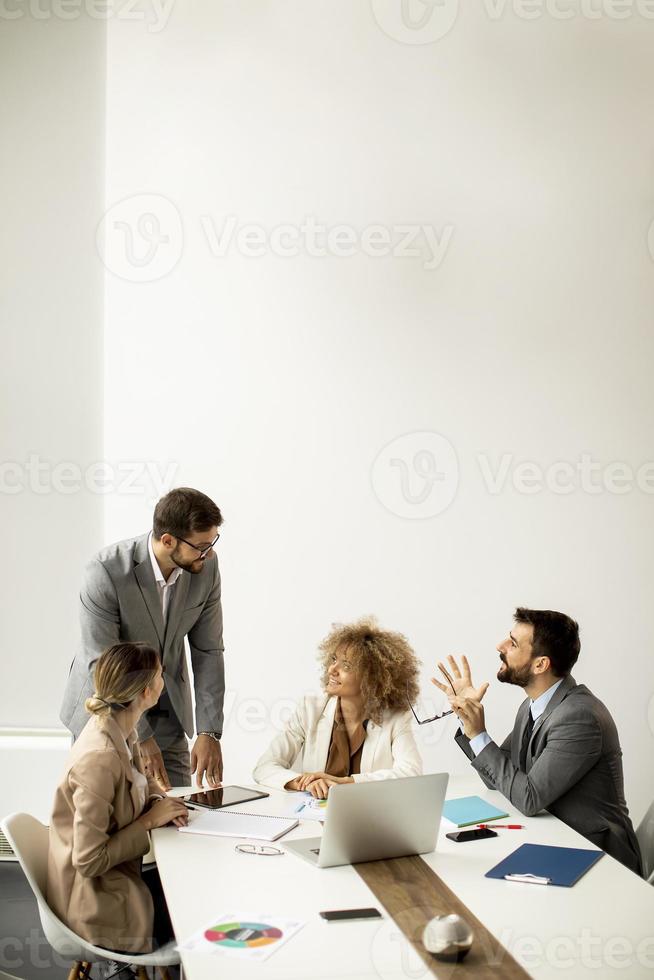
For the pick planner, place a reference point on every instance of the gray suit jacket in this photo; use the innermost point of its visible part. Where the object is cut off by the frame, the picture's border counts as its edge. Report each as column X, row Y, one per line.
column 573, row 769
column 119, row 601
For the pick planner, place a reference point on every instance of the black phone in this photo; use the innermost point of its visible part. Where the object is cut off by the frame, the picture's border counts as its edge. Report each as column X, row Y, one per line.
column 462, row 835
column 340, row 915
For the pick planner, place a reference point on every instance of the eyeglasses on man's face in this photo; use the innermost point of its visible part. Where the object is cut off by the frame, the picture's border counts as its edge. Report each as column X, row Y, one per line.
column 202, row 552
column 426, row 721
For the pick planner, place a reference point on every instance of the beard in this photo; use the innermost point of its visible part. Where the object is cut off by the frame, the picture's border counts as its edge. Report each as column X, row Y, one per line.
column 520, row 676
column 194, row 567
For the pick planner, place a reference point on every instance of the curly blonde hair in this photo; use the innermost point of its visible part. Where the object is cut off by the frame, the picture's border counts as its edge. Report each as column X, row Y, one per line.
column 384, row 661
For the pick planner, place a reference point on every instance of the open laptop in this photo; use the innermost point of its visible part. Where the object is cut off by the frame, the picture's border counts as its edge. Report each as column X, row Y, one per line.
column 372, row 821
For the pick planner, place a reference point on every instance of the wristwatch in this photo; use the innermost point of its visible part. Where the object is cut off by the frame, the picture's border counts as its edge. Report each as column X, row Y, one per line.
column 214, row 735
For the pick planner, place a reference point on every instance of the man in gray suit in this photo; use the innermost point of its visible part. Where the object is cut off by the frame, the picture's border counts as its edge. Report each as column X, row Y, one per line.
column 161, row 588
column 563, row 754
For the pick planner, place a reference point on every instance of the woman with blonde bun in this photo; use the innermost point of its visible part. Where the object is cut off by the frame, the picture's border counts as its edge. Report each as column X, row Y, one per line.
column 104, row 809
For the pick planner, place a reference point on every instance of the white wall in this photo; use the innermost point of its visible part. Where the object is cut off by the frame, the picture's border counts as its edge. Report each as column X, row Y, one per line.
column 273, row 383
column 52, row 74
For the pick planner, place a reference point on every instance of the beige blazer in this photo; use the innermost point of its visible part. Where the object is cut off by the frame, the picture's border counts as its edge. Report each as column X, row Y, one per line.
column 389, row 751
column 94, row 862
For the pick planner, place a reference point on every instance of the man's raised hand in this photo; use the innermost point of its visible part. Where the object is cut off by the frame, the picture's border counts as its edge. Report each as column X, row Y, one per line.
column 459, row 681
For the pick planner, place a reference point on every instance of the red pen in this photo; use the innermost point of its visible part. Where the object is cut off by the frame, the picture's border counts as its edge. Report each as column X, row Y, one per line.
column 502, row 826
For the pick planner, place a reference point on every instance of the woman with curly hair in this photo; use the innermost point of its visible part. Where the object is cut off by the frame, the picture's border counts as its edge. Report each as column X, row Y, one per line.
column 359, row 729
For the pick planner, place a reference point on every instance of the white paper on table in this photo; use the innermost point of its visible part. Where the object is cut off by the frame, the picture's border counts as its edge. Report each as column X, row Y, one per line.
column 242, row 928
column 313, row 810
column 303, row 806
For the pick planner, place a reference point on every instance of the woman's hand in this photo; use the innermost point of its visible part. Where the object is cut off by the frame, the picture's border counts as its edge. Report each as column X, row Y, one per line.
column 319, row 783
column 165, row 811
column 319, row 788
column 307, row 780
column 308, row 777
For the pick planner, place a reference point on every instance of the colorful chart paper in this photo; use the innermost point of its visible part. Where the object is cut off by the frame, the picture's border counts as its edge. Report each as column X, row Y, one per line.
column 243, row 935
column 248, row 936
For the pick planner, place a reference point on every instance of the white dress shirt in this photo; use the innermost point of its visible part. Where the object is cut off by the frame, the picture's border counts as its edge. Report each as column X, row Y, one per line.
column 164, row 588
column 536, row 707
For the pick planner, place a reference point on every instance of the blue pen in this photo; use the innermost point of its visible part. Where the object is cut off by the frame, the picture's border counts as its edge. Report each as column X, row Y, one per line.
column 298, row 808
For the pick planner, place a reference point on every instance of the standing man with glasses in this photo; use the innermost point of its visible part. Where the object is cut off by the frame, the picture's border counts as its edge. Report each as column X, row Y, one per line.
column 161, row 588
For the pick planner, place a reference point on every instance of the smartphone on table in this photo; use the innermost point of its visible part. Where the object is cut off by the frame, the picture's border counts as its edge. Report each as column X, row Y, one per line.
column 459, row 836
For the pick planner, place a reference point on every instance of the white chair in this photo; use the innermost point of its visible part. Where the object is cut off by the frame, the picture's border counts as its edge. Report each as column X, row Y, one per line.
column 29, row 841
column 645, row 835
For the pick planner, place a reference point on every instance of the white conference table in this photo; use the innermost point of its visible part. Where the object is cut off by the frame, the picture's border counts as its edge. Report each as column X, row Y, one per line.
column 603, row 926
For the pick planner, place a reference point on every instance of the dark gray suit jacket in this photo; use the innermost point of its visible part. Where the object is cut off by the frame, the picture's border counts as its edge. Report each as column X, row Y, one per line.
column 119, row 601
column 573, row 770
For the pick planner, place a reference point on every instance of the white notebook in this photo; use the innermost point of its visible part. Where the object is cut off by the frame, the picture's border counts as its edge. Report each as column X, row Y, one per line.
column 227, row 823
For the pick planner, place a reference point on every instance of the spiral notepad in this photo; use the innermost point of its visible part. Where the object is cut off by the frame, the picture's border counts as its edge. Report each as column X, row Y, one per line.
column 225, row 823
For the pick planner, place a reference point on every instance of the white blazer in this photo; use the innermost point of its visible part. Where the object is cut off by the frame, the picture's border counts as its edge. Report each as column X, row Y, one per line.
column 389, row 750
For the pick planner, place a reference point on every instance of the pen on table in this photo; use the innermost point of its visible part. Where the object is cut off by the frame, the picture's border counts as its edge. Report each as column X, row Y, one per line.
column 189, row 807
column 500, row 826
column 528, row 879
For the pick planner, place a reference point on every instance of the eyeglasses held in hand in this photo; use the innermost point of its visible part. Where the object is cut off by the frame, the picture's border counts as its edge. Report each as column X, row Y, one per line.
column 426, row 721
column 264, row 850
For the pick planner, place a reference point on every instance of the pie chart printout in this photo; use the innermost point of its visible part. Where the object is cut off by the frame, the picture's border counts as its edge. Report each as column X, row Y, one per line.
column 243, row 935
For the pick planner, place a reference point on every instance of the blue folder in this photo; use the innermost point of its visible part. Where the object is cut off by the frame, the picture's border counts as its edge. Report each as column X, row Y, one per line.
column 468, row 810
column 561, row 865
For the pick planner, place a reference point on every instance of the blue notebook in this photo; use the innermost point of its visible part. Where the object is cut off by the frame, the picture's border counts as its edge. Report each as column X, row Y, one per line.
column 559, row 865
column 468, row 810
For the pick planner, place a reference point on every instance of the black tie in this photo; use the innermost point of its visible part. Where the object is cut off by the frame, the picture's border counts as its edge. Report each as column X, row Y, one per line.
column 525, row 741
